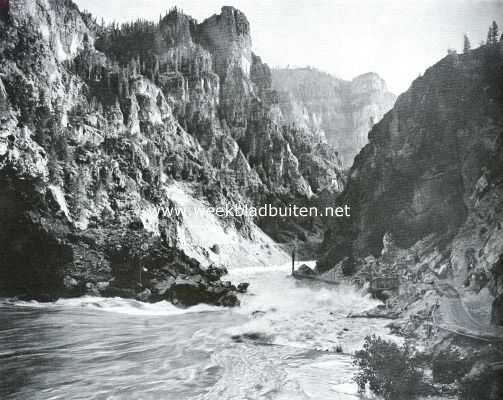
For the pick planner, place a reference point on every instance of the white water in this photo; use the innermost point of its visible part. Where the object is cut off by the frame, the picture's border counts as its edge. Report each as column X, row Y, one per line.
column 277, row 345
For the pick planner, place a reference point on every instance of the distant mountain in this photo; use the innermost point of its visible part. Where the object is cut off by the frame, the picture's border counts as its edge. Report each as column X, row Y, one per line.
column 342, row 111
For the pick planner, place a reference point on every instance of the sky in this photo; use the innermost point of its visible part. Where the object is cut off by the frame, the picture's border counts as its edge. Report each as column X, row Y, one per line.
column 398, row 39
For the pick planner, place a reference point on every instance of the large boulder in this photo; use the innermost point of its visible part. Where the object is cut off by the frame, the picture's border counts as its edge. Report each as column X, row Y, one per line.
column 188, row 292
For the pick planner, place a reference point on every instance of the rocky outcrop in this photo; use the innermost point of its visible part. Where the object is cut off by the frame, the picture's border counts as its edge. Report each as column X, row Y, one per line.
column 433, row 171
column 103, row 126
column 155, row 272
column 341, row 111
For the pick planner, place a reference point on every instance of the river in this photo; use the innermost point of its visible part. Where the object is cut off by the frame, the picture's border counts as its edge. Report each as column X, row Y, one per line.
column 278, row 345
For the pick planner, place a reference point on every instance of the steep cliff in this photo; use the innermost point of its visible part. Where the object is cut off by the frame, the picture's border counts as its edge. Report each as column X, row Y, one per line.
column 342, row 111
column 102, row 126
column 433, row 173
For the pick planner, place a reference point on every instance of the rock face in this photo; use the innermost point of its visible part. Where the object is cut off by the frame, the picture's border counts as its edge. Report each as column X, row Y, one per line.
column 100, row 126
column 342, row 111
column 433, row 169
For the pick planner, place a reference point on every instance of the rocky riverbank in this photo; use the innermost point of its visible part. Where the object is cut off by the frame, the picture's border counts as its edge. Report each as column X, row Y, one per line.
column 453, row 344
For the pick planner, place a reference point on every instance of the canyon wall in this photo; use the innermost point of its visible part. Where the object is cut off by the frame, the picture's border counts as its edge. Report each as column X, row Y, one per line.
column 433, row 173
column 100, row 126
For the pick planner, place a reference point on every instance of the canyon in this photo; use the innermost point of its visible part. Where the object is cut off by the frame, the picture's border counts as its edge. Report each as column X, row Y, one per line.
column 104, row 125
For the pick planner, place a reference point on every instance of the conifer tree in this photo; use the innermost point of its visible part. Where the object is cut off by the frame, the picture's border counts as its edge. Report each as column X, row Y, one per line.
column 492, row 34
column 466, row 44
column 495, row 31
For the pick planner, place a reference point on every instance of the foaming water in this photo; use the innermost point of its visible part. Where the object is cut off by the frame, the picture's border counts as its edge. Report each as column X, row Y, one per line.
column 303, row 314
column 118, row 305
column 278, row 345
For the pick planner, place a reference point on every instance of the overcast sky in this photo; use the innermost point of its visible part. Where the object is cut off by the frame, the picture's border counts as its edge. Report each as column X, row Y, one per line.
column 398, row 39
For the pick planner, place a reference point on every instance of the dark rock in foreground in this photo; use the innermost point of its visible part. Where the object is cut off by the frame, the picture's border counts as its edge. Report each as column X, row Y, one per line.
column 154, row 272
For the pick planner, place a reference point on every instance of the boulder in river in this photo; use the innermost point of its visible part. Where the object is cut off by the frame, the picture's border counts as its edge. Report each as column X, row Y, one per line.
column 144, row 295
column 243, row 287
column 187, row 291
column 306, row 270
